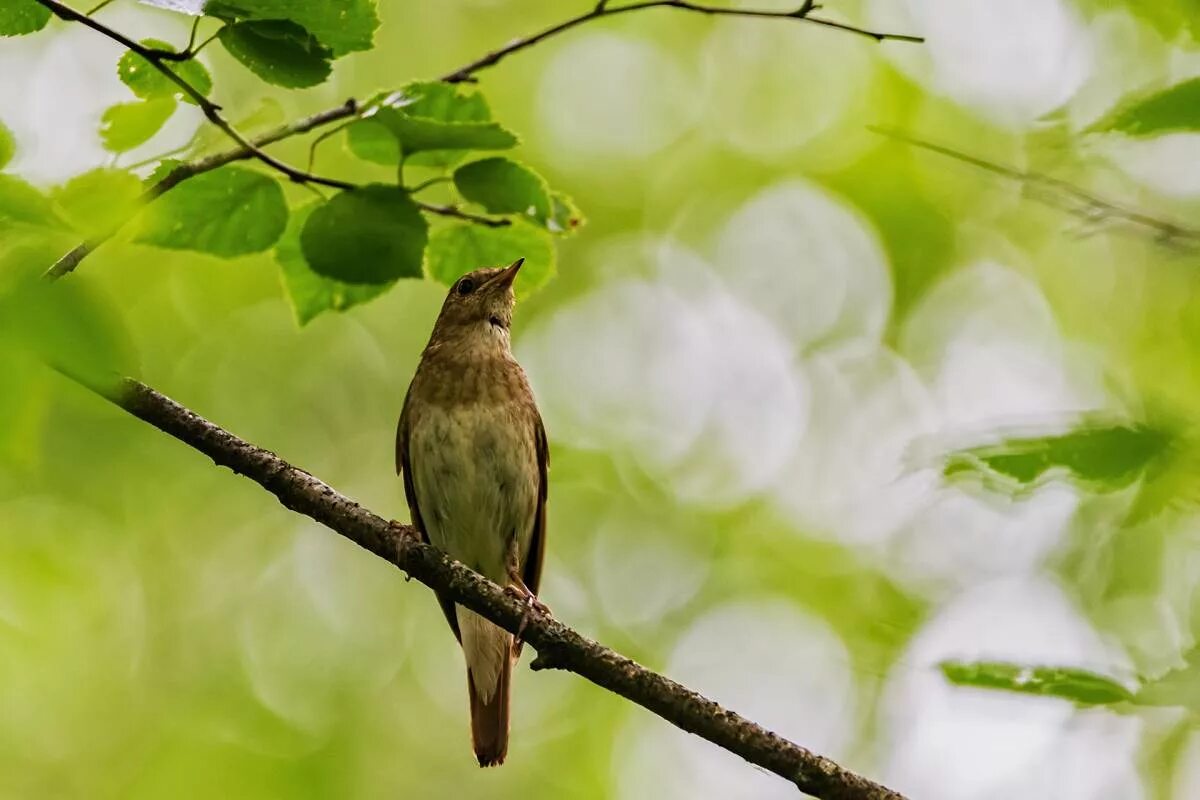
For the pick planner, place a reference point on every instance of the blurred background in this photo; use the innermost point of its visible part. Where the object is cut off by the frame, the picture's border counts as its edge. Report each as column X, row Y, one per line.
column 752, row 363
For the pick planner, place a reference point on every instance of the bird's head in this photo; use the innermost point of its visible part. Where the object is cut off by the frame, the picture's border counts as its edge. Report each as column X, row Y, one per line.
column 479, row 303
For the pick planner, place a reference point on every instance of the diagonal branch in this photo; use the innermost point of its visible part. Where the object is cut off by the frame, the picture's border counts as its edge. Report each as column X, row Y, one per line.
column 558, row 646
column 210, row 109
column 1062, row 194
column 252, row 148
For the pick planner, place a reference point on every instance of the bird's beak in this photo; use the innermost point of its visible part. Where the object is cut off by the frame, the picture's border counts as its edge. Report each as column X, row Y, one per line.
column 507, row 276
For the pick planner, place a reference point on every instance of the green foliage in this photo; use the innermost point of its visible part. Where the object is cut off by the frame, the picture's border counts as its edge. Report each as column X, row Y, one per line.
column 371, row 140
column 1077, row 685
column 228, row 212
column 148, row 83
column 309, row 293
column 100, row 200
column 432, row 124
column 66, row 327
column 373, row 234
column 1103, row 457
column 278, row 51
column 460, row 248
column 18, row 17
column 503, row 186
column 1173, row 109
column 21, row 204
column 8, row 147
column 343, row 26
column 1177, row 687
column 129, row 125
column 565, row 216
column 1170, row 18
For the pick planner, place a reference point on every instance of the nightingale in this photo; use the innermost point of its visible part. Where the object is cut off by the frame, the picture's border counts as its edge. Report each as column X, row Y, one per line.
column 472, row 450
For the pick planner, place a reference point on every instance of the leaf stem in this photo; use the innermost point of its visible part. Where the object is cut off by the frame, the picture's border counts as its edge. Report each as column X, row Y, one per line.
column 428, row 183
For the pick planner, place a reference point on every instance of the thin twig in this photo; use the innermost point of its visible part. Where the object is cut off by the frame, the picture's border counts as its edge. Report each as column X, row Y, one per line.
column 210, row 109
column 1061, row 194
column 801, row 14
column 455, row 211
column 558, row 646
column 97, row 7
column 431, row 182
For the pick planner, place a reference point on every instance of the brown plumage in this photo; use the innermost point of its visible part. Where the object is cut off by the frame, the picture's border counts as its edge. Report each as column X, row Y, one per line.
column 473, row 453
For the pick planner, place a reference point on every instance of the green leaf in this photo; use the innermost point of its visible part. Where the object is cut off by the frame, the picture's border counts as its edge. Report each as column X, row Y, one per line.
column 311, row 294
column 444, row 102
column 565, row 217
column 100, row 200
column 1177, row 687
column 372, row 234
column 278, row 51
column 417, row 134
column 228, row 212
column 343, row 26
column 503, row 186
column 457, row 249
column 1077, row 685
column 372, row 141
column 21, row 204
column 1173, row 109
column 1104, row 457
column 148, row 83
column 434, row 124
column 18, row 17
column 8, row 146
column 129, row 125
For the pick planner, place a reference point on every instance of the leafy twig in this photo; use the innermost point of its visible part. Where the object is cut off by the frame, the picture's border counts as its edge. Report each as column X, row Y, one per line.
column 1062, row 194
column 558, row 646
column 190, row 169
column 251, row 149
column 210, row 109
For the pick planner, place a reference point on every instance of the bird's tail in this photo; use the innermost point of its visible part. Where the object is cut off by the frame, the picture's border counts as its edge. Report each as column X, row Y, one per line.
column 488, row 650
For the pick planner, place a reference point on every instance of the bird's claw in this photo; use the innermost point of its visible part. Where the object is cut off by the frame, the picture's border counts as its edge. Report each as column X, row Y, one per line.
column 531, row 602
column 406, row 533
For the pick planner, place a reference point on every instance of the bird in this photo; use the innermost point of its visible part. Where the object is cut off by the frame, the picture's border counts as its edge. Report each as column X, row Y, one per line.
column 472, row 449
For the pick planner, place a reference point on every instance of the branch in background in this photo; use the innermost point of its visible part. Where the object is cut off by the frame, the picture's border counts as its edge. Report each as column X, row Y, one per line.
column 801, row 14
column 252, row 148
column 558, row 646
column 1064, row 195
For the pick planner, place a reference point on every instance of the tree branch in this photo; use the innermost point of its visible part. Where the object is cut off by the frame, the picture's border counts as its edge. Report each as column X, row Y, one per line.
column 558, row 646
column 210, row 109
column 1063, row 194
column 252, row 148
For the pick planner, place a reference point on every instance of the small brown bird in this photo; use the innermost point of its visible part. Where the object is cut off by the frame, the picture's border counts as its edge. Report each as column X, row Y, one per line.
column 473, row 453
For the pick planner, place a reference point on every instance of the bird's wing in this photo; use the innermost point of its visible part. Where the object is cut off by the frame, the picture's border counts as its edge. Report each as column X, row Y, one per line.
column 404, row 467
column 532, row 574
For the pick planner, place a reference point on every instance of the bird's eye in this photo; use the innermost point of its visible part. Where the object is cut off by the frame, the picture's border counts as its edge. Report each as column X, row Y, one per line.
column 466, row 286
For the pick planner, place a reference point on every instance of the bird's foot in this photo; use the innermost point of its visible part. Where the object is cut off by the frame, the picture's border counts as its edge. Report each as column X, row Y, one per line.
column 521, row 592
column 406, row 533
